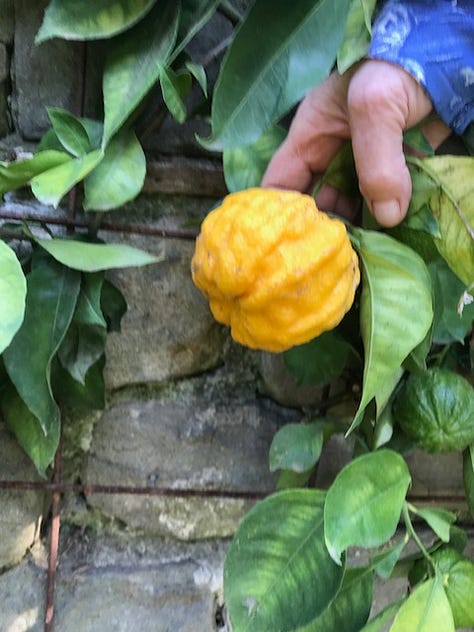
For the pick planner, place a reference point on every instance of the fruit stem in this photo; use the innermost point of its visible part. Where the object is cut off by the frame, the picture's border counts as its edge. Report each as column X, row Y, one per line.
column 414, row 535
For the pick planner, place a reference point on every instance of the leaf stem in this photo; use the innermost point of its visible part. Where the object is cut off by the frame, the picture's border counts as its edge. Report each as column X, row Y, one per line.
column 414, row 535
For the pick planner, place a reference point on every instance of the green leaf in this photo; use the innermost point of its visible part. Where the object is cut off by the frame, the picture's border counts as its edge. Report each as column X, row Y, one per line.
column 100, row 19
column 199, row 73
column 16, row 174
column 357, row 34
column 134, row 64
column 51, row 186
column 261, row 78
column 319, row 361
column 272, row 563
column 457, row 572
column 341, row 173
column 52, row 292
column 378, row 623
column 350, row 608
column 39, row 445
column 438, row 519
column 396, row 308
column 296, row 447
column 87, row 257
column 12, row 295
column 85, row 340
column 453, row 208
column 364, row 503
column 76, row 396
column 175, row 88
column 113, row 305
column 119, row 177
column 288, row 479
column 70, row 132
column 449, row 325
column 384, row 562
column 244, row 166
column 427, row 609
column 194, row 15
column 468, row 476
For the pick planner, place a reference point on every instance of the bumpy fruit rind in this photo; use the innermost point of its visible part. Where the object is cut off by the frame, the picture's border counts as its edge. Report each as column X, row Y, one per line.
column 275, row 268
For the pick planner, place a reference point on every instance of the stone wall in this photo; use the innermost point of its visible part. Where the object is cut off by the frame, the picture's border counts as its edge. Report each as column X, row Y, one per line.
column 186, row 407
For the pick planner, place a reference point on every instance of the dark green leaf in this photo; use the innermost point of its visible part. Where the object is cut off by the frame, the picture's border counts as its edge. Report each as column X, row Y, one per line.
column 468, row 476
column 87, row 257
column 12, row 295
column 134, row 63
column 52, row 185
column 415, row 139
column 70, row 132
column 262, row 77
column 341, row 173
column 396, row 308
column 52, row 292
column 80, row 397
column 357, row 34
column 113, row 305
column 296, row 447
column 350, row 608
column 364, row 503
column 449, row 325
column 199, row 73
column 74, row 20
column 244, row 166
column 271, row 566
column 319, row 361
column 175, row 88
column 194, row 15
column 426, row 609
column 16, row 174
column 119, row 177
column 39, row 445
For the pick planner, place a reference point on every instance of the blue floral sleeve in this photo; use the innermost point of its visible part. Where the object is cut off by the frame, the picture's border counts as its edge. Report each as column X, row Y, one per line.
column 433, row 40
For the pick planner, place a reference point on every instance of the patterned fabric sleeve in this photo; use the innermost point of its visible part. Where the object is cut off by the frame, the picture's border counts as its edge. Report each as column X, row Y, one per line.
column 433, row 40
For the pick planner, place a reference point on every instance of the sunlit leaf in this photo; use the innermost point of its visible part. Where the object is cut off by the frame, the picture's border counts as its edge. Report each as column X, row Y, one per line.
column 88, row 257
column 119, row 177
column 262, row 77
column 134, row 63
column 457, row 572
column 364, row 503
column 273, row 561
column 396, row 308
column 12, row 295
column 74, row 20
column 16, row 174
column 70, row 132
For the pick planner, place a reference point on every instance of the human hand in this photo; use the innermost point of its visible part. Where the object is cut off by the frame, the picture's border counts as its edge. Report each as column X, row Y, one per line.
column 372, row 105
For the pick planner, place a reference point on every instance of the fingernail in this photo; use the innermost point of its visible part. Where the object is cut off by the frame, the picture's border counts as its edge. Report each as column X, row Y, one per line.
column 387, row 213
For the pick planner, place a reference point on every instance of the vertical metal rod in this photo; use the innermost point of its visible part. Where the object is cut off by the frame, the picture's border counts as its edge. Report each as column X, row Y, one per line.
column 53, row 545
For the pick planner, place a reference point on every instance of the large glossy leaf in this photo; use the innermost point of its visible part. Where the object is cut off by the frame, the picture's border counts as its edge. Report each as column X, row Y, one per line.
column 244, row 166
column 12, row 295
column 457, row 572
column 119, row 177
column 74, row 20
column 263, row 76
column 278, row 574
column 87, row 257
column 69, row 131
column 427, row 609
column 453, row 207
column 51, row 186
column 52, row 292
column 357, row 34
column 134, row 63
column 364, row 503
column 85, row 339
column 39, row 445
column 296, row 447
column 350, row 609
column 16, row 174
column 319, row 361
column 396, row 308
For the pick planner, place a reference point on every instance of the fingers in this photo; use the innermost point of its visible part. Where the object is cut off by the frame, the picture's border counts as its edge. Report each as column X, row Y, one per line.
column 316, row 133
column 383, row 101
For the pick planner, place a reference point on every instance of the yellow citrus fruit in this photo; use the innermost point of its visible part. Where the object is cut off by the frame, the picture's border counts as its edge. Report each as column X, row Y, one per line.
column 275, row 269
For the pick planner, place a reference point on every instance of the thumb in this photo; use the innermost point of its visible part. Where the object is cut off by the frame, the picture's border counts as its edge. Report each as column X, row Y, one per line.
column 383, row 101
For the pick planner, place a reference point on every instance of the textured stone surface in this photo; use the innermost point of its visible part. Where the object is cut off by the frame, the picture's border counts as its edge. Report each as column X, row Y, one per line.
column 208, row 433
column 168, row 330
column 43, row 75
column 21, row 511
column 147, row 585
column 7, row 21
